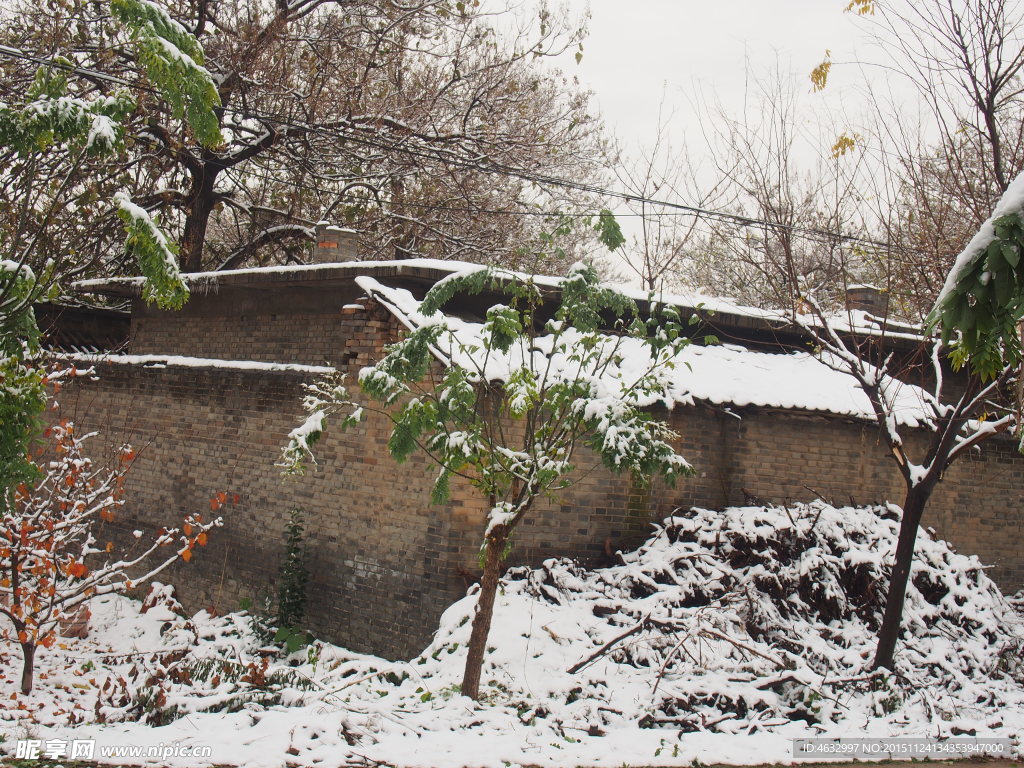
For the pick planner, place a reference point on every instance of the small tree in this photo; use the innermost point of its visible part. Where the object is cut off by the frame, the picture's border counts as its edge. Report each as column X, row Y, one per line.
column 291, row 592
column 514, row 399
column 50, row 561
column 952, row 426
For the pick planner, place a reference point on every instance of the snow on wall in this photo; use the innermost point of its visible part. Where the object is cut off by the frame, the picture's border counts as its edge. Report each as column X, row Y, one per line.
column 165, row 361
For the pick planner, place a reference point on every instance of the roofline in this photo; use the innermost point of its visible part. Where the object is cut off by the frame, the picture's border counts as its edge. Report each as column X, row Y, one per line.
column 775, row 329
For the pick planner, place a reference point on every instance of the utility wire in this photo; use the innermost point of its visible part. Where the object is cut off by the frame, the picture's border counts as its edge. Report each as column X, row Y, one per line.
column 480, row 164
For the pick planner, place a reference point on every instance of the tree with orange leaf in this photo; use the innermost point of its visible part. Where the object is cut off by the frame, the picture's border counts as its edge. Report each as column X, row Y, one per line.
column 50, row 562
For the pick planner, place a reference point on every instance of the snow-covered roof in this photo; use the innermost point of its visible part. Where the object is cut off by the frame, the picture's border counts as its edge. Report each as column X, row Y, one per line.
column 724, row 312
column 720, row 374
column 724, row 374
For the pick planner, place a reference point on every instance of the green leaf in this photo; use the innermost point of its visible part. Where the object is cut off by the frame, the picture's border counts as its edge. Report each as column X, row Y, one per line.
column 173, row 61
column 1011, row 254
column 440, row 492
column 156, row 253
column 608, row 230
column 503, row 327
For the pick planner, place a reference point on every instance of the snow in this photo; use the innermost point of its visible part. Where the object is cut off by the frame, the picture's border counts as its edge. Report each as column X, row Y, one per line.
column 1012, row 201
column 102, row 132
column 170, row 361
column 24, row 271
column 502, row 514
column 141, row 216
column 303, row 436
column 721, row 374
column 725, row 636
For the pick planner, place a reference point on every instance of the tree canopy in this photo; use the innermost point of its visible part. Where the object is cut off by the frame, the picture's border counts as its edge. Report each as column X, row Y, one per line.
column 418, row 124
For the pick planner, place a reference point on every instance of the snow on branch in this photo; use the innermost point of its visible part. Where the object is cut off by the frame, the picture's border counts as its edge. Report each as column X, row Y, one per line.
column 173, row 60
column 156, row 254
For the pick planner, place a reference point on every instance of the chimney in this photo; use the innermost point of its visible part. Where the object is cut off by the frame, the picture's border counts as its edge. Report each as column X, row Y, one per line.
column 334, row 244
column 868, row 298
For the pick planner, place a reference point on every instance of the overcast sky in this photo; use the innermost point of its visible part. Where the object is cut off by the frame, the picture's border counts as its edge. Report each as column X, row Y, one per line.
column 639, row 49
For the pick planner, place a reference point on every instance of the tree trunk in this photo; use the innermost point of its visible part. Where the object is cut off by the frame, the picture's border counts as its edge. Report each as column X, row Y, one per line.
column 888, row 633
column 494, row 548
column 28, row 654
column 198, row 219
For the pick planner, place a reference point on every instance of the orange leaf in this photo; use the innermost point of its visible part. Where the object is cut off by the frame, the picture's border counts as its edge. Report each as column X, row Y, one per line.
column 23, row 636
column 201, row 539
column 186, row 555
column 214, row 504
column 235, row 498
column 222, row 497
column 188, row 529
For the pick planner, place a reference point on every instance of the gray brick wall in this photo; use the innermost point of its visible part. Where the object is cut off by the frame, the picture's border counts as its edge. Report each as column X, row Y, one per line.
column 385, row 562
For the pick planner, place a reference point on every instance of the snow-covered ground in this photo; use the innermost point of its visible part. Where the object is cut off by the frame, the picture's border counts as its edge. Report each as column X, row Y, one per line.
column 722, row 639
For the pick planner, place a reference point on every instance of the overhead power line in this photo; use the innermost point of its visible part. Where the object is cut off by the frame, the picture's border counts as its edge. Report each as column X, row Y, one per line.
column 482, row 165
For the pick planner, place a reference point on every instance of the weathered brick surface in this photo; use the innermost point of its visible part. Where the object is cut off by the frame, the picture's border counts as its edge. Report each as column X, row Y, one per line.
column 384, row 562
column 298, row 325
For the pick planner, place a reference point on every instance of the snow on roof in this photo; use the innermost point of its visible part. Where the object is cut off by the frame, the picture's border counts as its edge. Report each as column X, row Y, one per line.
column 198, row 279
column 854, row 321
column 722, row 374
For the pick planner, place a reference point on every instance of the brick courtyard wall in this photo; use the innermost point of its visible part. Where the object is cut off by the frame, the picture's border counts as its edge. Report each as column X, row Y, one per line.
column 293, row 325
column 384, row 562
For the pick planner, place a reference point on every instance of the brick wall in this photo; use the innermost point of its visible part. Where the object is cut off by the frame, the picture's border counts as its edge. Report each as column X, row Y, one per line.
column 294, row 325
column 385, row 563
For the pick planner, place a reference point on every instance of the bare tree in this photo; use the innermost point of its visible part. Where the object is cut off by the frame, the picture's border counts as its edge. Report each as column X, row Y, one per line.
column 793, row 203
column 941, row 167
column 666, row 236
column 797, row 255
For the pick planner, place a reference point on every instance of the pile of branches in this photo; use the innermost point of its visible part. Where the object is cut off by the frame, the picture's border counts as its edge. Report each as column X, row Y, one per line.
column 757, row 616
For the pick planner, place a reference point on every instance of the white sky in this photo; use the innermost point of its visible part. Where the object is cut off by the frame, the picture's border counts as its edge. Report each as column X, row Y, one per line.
column 639, row 49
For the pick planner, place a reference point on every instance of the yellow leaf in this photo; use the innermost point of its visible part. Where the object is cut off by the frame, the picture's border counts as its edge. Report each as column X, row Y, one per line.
column 819, row 75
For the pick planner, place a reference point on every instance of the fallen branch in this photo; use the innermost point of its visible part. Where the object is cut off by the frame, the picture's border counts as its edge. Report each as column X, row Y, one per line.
column 606, row 647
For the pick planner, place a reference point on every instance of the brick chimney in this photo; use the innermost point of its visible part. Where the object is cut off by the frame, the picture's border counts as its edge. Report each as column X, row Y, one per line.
column 869, row 299
column 334, row 244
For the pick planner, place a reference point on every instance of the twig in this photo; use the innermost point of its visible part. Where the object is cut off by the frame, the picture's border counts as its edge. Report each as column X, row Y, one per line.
column 604, row 648
column 744, row 646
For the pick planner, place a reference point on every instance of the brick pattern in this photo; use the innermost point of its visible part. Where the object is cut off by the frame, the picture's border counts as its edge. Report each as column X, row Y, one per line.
column 288, row 326
column 384, row 562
